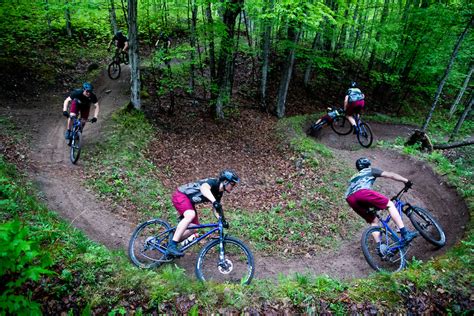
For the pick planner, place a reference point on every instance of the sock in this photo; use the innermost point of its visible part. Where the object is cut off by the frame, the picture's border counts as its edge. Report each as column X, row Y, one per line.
column 403, row 231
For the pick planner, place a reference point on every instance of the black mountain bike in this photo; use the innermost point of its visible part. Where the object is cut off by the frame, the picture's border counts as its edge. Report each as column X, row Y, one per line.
column 76, row 138
column 342, row 126
column 222, row 259
column 114, row 67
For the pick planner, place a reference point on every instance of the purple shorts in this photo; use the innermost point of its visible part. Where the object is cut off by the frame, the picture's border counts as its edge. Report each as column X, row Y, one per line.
column 364, row 199
column 182, row 204
column 355, row 107
column 76, row 108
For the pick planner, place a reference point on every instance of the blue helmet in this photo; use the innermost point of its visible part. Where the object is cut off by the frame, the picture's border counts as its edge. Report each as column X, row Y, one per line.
column 87, row 87
column 362, row 163
column 229, row 175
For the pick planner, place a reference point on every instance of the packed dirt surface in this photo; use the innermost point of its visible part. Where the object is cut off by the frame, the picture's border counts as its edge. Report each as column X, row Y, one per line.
column 51, row 169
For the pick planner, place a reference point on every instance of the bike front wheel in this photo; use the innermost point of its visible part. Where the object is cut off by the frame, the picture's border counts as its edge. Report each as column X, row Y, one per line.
column 364, row 136
column 75, row 150
column 114, row 70
column 147, row 246
column 391, row 257
column 236, row 265
column 428, row 227
column 341, row 126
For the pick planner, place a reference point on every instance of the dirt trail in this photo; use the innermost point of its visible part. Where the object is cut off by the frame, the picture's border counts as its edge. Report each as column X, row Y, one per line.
column 75, row 204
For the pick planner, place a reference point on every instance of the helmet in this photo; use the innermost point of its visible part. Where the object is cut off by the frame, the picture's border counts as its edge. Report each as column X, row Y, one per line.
column 87, row 87
column 363, row 163
column 353, row 84
column 229, row 175
column 119, row 34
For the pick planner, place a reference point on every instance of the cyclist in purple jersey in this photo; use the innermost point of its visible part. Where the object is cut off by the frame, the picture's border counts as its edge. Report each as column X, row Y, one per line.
column 361, row 197
column 209, row 190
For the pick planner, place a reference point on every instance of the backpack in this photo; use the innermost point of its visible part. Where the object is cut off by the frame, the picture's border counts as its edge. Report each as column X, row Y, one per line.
column 355, row 95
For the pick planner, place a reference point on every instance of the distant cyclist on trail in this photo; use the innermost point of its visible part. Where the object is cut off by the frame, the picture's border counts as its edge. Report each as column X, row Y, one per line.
column 353, row 103
column 209, row 190
column 361, row 197
column 120, row 41
column 81, row 100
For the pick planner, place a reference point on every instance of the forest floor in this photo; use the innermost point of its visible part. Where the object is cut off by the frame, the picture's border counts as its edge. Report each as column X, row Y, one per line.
column 51, row 169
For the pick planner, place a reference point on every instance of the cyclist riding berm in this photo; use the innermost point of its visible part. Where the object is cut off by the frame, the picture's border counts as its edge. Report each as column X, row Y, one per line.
column 353, row 104
column 184, row 199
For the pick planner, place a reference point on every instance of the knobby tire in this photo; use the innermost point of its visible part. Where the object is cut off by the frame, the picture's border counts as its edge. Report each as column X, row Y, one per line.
column 114, row 70
column 428, row 227
column 341, row 125
column 365, row 136
column 75, row 150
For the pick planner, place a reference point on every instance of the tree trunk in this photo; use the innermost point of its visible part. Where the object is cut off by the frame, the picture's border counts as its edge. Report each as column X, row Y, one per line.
column 446, row 73
column 134, row 57
column 462, row 118
column 461, row 92
column 309, row 66
column 378, row 35
column 224, row 67
column 113, row 17
column 212, row 51
column 293, row 34
column 267, row 27
column 192, row 40
column 454, row 145
column 67, row 16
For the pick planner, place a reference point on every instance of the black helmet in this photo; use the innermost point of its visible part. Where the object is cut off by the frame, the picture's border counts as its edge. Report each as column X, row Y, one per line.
column 119, row 34
column 363, row 163
column 87, row 87
column 353, row 84
column 228, row 175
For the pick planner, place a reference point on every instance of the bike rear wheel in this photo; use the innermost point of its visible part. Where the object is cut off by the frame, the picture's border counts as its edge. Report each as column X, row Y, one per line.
column 125, row 58
column 364, row 136
column 75, row 150
column 392, row 258
column 237, row 266
column 428, row 227
column 114, row 70
column 148, row 244
column 341, row 126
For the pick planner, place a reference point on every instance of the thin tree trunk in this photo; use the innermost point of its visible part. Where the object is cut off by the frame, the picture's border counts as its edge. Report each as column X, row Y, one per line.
column 309, row 66
column 193, row 46
column 134, row 57
column 67, row 16
column 293, row 34
column 446, row 74
column 113, row 17
column 212, row 51
column 267, row 26
column 125, row 15
column 378, row 35
column 462, row 118
column 461, row 92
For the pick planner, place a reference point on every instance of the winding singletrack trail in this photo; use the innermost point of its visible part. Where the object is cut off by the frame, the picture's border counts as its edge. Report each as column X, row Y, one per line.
column 52, row 169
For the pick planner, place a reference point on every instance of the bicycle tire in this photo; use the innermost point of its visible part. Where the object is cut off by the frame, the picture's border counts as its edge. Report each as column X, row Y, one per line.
column 238, row 256
column 145, row 241
column 125, row 58
column 341, row 125
column 114, row 70
column 390, row 261
column 75, row 150
column 365, row 136
column 422, row 220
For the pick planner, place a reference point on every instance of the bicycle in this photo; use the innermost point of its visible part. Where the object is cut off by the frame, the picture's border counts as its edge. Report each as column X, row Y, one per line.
column 223, row 258
column 342, row 126
column 114, row 68
column 75, row 141
column 323, row 121
column 393, row 250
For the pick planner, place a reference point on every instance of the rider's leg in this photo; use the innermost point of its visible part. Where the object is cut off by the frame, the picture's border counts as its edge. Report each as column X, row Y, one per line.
column 188, row 217
column 406, row 234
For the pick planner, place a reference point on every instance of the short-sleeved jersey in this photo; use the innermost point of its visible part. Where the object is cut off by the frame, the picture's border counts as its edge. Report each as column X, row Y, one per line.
column 120, row 40
column 193, row 190
column 82, row 99
column 363, row 180
column 355, row 94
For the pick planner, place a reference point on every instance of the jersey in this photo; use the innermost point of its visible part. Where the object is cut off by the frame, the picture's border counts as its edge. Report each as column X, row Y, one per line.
column 355, row 95
column 363, row 180
column 120, row 40
column 193, row 190
column 81, row 99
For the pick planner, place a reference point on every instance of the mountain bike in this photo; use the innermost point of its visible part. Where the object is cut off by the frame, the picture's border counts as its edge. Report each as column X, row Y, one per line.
column 222, row 259
column 342, row 126
column 114, row 68
column 393, row 250
column 314, row 129
column 75, row 141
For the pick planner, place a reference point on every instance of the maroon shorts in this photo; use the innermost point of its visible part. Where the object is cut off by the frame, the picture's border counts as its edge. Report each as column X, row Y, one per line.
column 362, row 200
column 182, row 204
column 76, row 108
column 355, row 107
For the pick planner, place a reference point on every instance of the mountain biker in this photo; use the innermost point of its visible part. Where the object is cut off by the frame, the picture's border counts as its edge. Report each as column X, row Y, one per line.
column 121, row 42
column 202, row 191
column 360, row 197
column 165, row 39
column 325, row 119
column 353, row 103
column 81, row 100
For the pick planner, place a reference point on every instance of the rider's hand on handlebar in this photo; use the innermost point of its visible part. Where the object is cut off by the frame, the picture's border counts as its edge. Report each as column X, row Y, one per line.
column 94, row 119
column 65, row 113
column 408, row 184
column 217, row 206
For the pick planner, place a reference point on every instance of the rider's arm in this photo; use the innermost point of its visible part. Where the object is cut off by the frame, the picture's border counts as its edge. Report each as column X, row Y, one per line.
column 96, row 112
column 206, row 191
column 346, row 100
column 394, row 176
column 66, row 102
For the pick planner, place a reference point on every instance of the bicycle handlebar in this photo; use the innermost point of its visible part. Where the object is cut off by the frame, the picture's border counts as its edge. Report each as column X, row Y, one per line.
column 402, row 191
